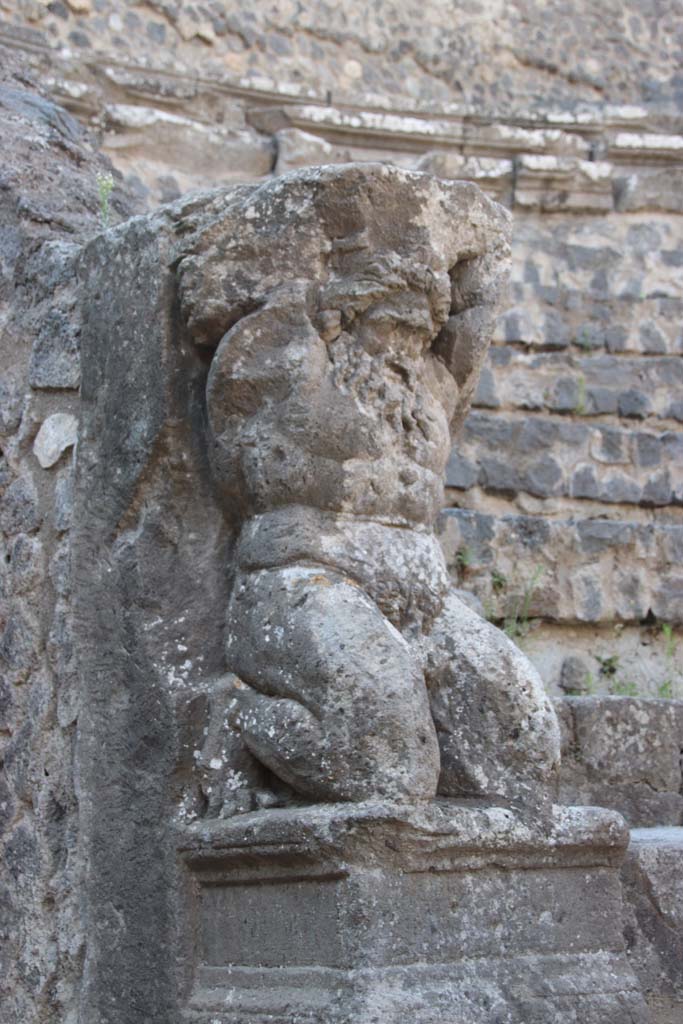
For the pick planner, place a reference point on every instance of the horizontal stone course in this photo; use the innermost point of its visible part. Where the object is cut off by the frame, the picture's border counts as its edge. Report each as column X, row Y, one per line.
column 564, row 570
column 550, row 457
column 379, row 54
column 582, row 385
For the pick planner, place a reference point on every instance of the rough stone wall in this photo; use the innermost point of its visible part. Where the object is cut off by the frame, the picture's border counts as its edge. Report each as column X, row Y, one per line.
column 571, row 469
column 487, row 53
column 48, row 202
column 565, row 494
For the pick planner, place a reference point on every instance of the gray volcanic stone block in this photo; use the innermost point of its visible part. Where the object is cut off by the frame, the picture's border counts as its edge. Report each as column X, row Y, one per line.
column 148, row 551
column 460, row 473
column 633, row 403
column 19, row 508
column 439, row 913
column 55, row 362
column 624, row 753
column 652, row 878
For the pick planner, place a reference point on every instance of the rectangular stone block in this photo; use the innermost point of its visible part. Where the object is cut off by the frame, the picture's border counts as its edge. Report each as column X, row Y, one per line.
column 624, row 753
column 652, row 877
column 376, row 913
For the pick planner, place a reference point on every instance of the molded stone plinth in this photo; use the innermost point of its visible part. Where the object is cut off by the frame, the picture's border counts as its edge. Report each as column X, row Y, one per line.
column 377, row 914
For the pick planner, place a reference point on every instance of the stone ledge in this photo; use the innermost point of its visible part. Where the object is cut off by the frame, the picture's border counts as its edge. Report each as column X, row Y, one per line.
column 493, row 174
column 644, row 147
column 184, row 144
column 561, row 184
column 361, row 127
column 455, row 832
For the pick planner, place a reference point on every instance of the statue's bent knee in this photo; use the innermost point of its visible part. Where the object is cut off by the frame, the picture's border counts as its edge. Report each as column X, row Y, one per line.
column 308, row 638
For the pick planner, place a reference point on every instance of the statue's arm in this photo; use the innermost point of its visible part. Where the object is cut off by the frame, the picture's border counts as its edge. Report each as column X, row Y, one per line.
column 478, row 288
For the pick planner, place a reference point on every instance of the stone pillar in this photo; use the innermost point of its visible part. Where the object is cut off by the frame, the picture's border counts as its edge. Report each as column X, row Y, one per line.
column 316, row 786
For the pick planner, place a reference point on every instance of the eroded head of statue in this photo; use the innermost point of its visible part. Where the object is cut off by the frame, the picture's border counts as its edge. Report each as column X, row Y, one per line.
column 369, row 244
column 381, row 298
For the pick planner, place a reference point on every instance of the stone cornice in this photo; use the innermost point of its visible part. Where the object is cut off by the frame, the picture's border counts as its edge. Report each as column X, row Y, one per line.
column 547, row 159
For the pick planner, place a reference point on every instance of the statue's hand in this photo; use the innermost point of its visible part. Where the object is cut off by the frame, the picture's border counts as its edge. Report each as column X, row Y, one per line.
column 477, row 289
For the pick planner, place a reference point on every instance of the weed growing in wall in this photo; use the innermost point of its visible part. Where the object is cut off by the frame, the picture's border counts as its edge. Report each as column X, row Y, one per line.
column 105, row 187
column 667, row 688
column 516, row 625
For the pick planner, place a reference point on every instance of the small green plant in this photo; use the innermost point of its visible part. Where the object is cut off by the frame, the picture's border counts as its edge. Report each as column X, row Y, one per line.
column 618, row 686
column 105, row 187
column 670, row 639
column 585, row 340
column 516, row 626
column 589, row 686
column 666, row 689
column 464, row 557
column 609, row 666
column 623, row 688
column 581, row 396
column 498, row 581
column 667, row 686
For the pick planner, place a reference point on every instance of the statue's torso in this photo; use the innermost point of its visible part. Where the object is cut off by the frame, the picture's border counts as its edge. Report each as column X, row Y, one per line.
column 336, row 429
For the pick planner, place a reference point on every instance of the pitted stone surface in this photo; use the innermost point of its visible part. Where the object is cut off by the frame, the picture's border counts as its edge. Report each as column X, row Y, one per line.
column 48, row 205
column 653, row 886
column 350, row 310
column 424, row 914
column 623, row 753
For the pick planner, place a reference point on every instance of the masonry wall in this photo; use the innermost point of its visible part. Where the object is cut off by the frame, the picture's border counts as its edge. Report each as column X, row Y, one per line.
column 48, row 204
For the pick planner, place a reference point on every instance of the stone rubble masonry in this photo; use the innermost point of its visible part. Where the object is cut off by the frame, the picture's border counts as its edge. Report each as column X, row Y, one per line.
column 477, row 56
column 48, row 204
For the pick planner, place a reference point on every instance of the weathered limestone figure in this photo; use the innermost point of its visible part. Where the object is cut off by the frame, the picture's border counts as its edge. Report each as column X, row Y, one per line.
column 350, row 311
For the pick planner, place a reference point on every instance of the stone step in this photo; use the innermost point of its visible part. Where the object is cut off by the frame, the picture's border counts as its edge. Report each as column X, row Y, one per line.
column 652, row 878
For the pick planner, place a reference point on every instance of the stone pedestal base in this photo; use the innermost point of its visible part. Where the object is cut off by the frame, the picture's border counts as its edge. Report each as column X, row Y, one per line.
column 375, row 914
